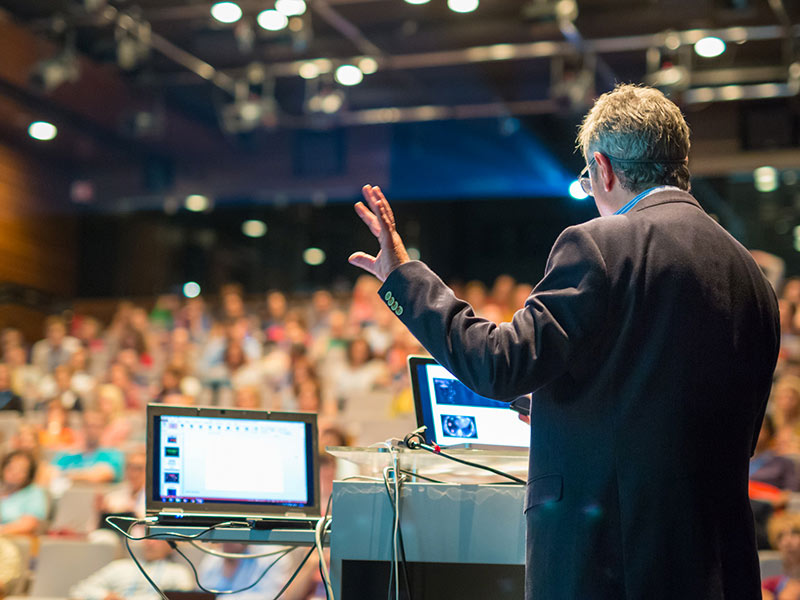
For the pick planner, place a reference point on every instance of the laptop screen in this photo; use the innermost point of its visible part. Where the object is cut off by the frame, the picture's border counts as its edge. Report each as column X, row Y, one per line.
column 229, row 461
column 455, row 415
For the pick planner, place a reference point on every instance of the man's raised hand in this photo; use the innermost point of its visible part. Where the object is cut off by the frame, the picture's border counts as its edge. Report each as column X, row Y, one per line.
column 378, row 216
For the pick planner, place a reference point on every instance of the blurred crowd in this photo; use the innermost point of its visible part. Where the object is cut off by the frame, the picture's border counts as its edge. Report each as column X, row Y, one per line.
column 72, row 404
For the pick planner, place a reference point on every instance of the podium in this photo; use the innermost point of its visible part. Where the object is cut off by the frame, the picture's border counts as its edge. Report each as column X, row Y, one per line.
column 464, row 541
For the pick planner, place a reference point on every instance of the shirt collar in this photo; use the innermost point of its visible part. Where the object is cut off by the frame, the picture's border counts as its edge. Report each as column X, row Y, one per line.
column 642, row 196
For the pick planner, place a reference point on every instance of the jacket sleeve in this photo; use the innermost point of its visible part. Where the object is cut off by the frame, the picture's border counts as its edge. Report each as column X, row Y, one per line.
column 504, row 361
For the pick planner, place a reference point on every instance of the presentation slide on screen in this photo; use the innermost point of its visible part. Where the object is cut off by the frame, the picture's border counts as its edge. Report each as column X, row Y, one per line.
column 233, row 460
column 460, row 416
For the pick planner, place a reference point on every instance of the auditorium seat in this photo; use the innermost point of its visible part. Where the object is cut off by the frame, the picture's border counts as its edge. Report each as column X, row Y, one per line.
column 770, row 563
column 62, row 563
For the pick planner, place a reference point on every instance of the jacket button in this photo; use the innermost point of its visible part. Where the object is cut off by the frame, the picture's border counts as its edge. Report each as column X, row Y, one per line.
column 398, row 311
column 388, row 296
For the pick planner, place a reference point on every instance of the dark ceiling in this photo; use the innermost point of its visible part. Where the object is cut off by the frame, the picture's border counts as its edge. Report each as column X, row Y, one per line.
column 162, row 84
column 508, row 56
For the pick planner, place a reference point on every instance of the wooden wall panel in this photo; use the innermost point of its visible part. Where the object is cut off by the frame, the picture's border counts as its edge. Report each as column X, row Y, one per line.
column 37, row 236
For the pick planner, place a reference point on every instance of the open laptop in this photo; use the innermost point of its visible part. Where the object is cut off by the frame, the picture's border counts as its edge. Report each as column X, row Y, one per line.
column 455, row 416
column 208, row 465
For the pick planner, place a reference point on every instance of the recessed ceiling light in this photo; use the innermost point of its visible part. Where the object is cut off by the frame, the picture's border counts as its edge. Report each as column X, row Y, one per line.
column 314, row 256
column 462, row 6
column 226, row 12
column 272, row 20
column 254, row 228
column 290, row 8
column 42, row 131
column 196, row 203
column 709, row 47
column 349, row 75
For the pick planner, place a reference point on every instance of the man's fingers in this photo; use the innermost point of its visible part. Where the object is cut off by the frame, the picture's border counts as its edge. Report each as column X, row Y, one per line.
column 369, row 218
column 363, row 261
column 373, row 197
column 384, row 203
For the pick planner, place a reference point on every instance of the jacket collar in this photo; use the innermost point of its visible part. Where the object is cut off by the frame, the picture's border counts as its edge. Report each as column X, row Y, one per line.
column 665, row 197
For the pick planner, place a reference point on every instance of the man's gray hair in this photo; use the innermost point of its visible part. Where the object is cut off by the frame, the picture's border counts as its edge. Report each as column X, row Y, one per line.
column 644, row 135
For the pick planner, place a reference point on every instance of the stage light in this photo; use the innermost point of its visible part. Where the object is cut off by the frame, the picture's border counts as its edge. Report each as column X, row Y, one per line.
column 709, row 47
column 226, row 12
column 254, row 228
column 309, row 70
column 313, row 256
column 368, row 65
column 766, row 179
column 272, row 20
column 462, row 6
column 797, row 238
column 576, row 191
column 42, row 131
column 191, row 289
column 418, row 1
column 196, row 203
column 349, row 75
column 413, row 253
column 290, row 8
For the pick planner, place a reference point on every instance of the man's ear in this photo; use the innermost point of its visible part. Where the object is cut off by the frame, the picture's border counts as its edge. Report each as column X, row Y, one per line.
column 605, row 172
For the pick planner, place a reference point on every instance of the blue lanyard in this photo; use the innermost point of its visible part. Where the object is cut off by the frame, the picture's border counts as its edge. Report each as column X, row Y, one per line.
column 638, row 198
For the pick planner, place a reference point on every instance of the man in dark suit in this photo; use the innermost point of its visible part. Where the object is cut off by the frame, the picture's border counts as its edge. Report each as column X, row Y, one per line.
column 649, row 347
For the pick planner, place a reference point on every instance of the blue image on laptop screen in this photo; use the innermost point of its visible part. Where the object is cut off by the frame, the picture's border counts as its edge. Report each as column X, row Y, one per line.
column 222, row 460
column 454, row 414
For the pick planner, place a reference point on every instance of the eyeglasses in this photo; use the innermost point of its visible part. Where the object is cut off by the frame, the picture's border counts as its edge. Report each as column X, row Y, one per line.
column 584, row 180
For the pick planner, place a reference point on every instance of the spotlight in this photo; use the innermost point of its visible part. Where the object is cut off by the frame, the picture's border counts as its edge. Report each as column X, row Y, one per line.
column 709, row 47
column 42, row 131
column 313, row 256
column 191, row 289
column 197, row 203
column 418, row 1
column 368, row 65
column 290, row 8
column 272, row 20
column 766, row 179
column 226, row 12
column 254, row 228
column 309, row 70
column 576, row 191
column 463, row 6
column 349, row 75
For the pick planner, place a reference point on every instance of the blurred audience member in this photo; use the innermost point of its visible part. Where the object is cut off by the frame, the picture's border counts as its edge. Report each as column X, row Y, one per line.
column 122, row 580
column 23, row 504
column 231, row 573
column 111, row 404
column 92, row 463
column 82, row 381
column 786, row 413
column 8, row 399
column 247, row 397
column 784, row 535
column 768, row 467
column 58, row 387
column 120, row 376
column 56, row 347
column 359, row 375
column 56, row 433
column 129, row 496
column 273, row 323
column 25, row 378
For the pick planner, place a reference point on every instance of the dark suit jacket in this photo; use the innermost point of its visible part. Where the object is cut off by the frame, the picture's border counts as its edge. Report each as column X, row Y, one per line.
column 649, row 345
